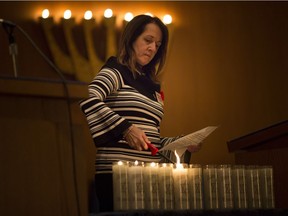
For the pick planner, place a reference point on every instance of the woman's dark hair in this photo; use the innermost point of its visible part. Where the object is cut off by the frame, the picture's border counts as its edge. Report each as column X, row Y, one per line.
column 132, row 31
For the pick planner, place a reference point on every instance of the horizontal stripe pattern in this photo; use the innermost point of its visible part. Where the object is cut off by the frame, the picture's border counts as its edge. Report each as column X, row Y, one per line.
column 111, row 108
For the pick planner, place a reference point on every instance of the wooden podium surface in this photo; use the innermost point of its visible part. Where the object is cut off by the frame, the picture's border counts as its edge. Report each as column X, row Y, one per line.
column 268, row 146
column 43, row 152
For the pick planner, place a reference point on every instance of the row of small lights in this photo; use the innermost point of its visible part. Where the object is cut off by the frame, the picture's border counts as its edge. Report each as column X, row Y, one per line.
column 108, row 13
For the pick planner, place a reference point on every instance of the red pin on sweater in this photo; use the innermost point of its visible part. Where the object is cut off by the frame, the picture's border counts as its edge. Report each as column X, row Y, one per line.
column 162, row 95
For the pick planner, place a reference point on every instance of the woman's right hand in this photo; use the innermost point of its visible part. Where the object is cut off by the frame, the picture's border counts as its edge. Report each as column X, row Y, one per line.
column 136, row 138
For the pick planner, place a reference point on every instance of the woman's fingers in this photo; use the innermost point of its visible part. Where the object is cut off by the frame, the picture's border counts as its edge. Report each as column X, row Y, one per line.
column 136, row 138
column 194, row 148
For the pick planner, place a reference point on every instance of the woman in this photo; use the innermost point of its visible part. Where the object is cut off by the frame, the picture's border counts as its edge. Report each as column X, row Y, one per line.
column 125, row 104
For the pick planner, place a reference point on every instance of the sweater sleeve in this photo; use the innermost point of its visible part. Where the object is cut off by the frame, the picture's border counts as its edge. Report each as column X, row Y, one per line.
column 105, row 125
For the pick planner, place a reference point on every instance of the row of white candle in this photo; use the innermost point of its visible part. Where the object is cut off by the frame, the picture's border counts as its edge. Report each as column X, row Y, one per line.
column 167, row 186
column 239, row 187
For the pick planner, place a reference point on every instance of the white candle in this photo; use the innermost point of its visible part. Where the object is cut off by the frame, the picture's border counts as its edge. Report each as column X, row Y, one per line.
column 225, row 186
column 211, row 191
column 239, row 187
column 253, row 186
column 195, row 186
column 180, row 179
column 151, row 191
column 120, row 186
column 166, row 189
column 267, row 187
column 135, row 184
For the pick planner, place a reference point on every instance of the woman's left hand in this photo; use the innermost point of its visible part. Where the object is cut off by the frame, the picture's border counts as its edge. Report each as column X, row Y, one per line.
column 194, row 148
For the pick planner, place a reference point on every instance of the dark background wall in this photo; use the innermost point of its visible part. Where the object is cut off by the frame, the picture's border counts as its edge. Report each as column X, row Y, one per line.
column 227, row 66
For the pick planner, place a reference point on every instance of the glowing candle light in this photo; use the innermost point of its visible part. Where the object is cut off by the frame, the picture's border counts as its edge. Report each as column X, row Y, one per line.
column 166, row 190
column 195, row 186
column 68, row 23
column 45, row 13
column 120, row 186
column 180, row 179
column 267, row 188
column 89, row 26
column 136, row 185
column 239, row 187
column 211, row 191
column 110, row 22
column 167, row 19
column 88, row 15
column 253, row 186
column 149, row 14
column 151, row 191
column 67, row 14
column 108, row 13
column 225, row 186
column 128, row 16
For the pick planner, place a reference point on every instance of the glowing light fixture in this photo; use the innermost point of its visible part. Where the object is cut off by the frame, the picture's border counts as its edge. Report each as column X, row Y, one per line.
column 45, row 13
column 108, row 13
column 67, row 14
column 149, row 14
column 128, row 16
column 167, row 19
column 88, row 15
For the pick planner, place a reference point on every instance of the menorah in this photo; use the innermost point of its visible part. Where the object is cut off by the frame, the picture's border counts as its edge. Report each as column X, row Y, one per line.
column 88, row 44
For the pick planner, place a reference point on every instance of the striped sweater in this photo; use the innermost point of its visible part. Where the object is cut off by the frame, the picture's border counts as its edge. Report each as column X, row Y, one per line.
column 117, row 100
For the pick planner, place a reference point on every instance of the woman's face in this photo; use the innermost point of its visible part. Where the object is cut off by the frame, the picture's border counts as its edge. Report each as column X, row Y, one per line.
column 147, row 44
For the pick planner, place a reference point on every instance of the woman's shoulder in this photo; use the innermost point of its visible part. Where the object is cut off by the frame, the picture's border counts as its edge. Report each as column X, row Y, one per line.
column 109, row 69
column 113, row 65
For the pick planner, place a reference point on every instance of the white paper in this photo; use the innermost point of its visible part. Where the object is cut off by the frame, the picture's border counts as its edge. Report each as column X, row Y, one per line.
column 195, row 138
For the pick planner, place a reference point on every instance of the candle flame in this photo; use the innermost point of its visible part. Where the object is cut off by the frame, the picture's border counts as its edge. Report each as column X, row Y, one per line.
column 177, row 157
column 178, row 164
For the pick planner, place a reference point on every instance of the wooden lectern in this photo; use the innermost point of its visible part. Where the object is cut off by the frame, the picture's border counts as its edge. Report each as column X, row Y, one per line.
column 268, row 146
